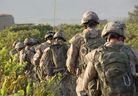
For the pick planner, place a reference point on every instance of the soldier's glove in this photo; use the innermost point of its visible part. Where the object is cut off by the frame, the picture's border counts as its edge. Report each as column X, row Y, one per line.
column 83, row 93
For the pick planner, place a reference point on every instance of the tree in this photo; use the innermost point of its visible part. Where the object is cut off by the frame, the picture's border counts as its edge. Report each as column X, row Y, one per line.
column 133, row 16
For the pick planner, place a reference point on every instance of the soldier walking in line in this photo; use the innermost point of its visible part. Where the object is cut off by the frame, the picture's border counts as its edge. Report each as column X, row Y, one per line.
column 81, row 44
column 114, row 63
column 39, row 52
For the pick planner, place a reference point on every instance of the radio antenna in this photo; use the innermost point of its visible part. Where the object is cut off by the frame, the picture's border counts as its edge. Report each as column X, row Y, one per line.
column 54, row 19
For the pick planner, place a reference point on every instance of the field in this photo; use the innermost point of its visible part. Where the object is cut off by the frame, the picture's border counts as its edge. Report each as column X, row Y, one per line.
column 13, row 81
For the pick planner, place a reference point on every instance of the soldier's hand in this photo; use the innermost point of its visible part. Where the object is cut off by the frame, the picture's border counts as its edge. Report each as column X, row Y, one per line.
column 48, row 77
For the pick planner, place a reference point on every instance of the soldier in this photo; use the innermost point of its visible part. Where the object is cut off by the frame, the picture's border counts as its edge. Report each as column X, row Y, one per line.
column 81, row 44
column 19, row 46
column 114, row 63
column 27, row 54
column 54, row 61
column 39, row 51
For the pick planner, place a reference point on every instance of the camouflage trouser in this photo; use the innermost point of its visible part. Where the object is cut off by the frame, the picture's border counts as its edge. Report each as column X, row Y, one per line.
column 67, row 87
column 37, row 73
column 72, row 85
column 92, row 87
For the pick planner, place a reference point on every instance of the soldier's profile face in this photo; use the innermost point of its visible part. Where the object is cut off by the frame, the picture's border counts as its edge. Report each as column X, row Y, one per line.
column 58, row 41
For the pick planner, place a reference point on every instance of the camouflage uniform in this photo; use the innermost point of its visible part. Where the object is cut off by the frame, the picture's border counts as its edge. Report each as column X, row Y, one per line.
column 27, row 54
column 19, row 47
column 93, row 68
column 39, row 51
column 53, row 61
column 81, row 44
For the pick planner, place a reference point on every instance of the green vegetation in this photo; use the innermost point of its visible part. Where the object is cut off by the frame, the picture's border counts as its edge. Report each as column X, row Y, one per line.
column 13, row 80
column 132, row 35
column 133, row 16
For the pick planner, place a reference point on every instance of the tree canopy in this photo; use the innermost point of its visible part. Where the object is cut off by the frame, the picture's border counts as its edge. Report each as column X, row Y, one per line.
column 133, row 16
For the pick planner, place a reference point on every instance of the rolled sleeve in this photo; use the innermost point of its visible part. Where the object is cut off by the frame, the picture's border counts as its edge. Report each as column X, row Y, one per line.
column 72, row 57
column 46, row 62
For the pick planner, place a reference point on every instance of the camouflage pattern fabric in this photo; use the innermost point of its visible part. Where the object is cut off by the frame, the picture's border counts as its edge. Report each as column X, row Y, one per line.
column 39, row 51
column 115, row 66
column 26, row 55
column 36, row 58
column 117, row 78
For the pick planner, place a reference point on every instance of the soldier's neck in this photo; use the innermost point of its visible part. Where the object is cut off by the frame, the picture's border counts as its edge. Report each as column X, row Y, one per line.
column 49, row 41
column 115, row 41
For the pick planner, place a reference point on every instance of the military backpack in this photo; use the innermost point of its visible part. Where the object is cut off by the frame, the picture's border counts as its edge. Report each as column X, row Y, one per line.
column 114, row 70
column 91, row 41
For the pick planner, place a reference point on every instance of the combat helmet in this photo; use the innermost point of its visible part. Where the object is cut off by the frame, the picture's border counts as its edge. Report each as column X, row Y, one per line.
column 49, row 34
column 114, row 27
column 19, row 46
column 30, row 41
column 89, row 16
column 60, row 35
column 34, row 41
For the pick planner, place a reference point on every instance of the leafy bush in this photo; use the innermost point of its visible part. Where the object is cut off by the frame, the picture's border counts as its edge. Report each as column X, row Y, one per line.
column 132, row 35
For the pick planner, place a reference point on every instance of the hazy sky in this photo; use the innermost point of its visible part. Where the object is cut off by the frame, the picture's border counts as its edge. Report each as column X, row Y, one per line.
column 67, row 11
